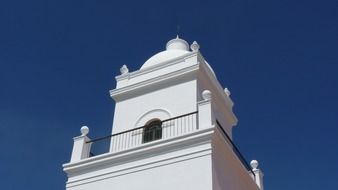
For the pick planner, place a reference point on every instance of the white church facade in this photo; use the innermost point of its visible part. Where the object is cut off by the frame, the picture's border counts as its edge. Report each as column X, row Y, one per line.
column 172, row 130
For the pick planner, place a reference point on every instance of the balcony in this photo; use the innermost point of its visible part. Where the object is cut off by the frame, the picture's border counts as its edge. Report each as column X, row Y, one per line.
column 155, row 130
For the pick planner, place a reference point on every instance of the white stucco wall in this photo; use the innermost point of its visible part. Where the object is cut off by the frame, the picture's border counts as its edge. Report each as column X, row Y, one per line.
column 162, row 103
column 174, row 164
column 166, row 177
column 197, row 158
column 201, row 160
column 222, row 104
column 228, row 172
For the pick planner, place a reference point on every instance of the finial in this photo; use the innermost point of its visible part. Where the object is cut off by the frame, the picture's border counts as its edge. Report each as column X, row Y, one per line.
column 254, row 164
column 194, row 46
column 178, row 31
column 227, row 91
column 84, row 130
column 124, row 69
column 206, row 94
column 177, row 44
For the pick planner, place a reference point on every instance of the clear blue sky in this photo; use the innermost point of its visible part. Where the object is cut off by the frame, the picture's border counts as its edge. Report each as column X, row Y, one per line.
column 279, row 58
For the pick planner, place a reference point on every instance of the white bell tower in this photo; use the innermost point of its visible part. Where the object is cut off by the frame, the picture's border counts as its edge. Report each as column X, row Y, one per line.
column 172, row 129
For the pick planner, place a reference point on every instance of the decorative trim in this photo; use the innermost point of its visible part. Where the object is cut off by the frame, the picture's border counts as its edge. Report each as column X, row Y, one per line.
column 150, row 82
column 152, row 112
column 142, row 152
column 146, row 166
column 158, row 66
column 225, row 99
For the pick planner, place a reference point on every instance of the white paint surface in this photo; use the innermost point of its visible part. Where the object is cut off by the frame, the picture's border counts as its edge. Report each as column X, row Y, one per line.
column 168, row 85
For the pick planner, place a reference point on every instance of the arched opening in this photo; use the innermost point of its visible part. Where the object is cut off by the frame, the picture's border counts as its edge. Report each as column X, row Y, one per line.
column 152, row 131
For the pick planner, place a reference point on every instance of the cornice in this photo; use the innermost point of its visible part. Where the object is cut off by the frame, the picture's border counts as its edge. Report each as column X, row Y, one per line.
column 215, row 82
column 149, row 150
column 225, row 100
column 141, row 151
column 162, row 79
column 156, row 67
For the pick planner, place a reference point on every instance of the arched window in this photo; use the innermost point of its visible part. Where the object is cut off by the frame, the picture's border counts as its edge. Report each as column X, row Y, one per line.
column 152, row 131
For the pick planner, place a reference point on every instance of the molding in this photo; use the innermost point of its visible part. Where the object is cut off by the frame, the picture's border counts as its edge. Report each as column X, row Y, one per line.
column 162, row 79
column 158, row 66
column 228, row 104
column 203, row 102
column 146, row 166
column 146, row 151
column 148, row 147
column 158, row 111
column 215, row 82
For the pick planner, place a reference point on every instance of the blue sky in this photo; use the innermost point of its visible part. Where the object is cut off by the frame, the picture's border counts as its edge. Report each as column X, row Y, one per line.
column 279, row 58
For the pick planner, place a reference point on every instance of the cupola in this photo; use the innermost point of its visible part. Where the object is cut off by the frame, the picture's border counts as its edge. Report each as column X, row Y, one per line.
column 175, row 48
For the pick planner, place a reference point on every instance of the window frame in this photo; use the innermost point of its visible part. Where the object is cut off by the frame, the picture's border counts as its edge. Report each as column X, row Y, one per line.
column 152, row 131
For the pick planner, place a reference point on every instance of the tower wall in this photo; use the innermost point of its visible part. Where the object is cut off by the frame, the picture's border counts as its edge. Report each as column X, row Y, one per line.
column 186, row 149
column 161, row 103
column 180, row 164
column 227, row 171
column 181, row 175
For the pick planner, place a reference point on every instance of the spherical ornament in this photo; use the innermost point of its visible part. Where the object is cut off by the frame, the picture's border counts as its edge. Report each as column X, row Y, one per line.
column 254, row 164
column 206, row 94
column 124, row 69
column 194, row 46
column 84, row 130
column 227, row 91
column 177, row 44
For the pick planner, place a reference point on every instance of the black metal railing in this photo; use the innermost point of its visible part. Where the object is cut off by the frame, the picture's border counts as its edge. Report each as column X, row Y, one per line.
column 164, row 129
column 235, row 149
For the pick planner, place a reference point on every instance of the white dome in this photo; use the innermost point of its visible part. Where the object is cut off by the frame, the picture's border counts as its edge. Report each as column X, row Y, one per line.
column 163, row 56
column 175, row 48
